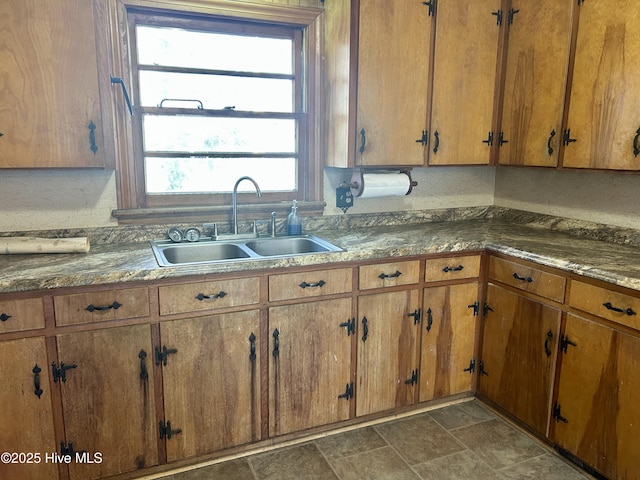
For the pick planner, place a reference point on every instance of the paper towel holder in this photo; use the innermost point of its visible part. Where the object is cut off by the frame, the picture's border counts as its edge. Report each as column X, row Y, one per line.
column 344, row 192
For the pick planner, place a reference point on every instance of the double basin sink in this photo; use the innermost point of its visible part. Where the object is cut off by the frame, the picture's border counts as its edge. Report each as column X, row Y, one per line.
column 170, row 254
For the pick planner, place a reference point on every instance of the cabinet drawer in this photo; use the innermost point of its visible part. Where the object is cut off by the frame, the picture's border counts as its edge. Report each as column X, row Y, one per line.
column 316, row 283
column 527, row 278
column 389, row 274
column 452, row 268
column 19, row 315
column 615, row 306
column 101, row 306
column 203, row 296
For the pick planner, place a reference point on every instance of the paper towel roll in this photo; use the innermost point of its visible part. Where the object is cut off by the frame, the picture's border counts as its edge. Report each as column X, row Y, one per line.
column 372, row 185
column 22, row 245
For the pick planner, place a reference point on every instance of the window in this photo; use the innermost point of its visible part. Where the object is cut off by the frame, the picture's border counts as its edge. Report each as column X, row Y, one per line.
column 217, row 98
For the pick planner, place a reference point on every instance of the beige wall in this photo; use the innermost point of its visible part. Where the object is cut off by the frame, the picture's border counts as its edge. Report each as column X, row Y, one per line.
column 41, row 199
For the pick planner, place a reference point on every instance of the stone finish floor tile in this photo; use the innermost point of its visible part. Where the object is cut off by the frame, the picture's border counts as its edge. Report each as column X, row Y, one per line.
column 497, row 443
column 419, row 438
column 380, row 464
column 466, row 441
column 292, row 463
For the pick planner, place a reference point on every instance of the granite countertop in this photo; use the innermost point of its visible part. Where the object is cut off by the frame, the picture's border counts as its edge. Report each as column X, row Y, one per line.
column 127, row 262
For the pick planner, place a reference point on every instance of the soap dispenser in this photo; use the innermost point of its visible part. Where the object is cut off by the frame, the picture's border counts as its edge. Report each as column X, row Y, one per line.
column 294, row 223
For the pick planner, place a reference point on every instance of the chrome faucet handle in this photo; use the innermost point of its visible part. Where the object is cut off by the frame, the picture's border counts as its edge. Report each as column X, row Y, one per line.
column 273, row 224
column 255, row 228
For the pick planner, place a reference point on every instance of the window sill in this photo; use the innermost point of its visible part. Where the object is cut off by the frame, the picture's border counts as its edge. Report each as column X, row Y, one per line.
column 252, row 211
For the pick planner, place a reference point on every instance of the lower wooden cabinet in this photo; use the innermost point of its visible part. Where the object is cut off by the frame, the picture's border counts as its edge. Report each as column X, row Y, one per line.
column 387, row 362
column 310, row 365
column 447, row 361
column 519, row 350
column 26, row 414
column 211, row 382
column 107, row 389
column 597, row 414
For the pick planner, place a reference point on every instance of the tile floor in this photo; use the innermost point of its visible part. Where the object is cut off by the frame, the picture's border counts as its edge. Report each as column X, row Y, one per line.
column 463, row 441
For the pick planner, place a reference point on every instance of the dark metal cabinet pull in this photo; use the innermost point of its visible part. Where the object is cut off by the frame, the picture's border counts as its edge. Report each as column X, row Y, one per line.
column 636, row 148
column 4, row 317
column 252, row 347
column 365, row 329
column 92, row 137
column 628, row 311
column 549, row 147
column 213, row 296
column 144, row 375
column 522, row 279
column 36, row 381
column 276, row 343
column 382, row 276
column 452, row 269
column 546, row 343
column 320, row 284
column 436, row 143
column 363, row 140
column 93, row 308
column 429, row 319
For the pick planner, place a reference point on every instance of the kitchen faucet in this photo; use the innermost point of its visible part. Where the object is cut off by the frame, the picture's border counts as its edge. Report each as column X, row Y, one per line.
column 234, row 200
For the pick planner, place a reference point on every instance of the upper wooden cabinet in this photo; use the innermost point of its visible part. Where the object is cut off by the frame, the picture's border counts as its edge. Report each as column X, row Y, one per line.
column 50, row 113
column 535, row 78
column 603, row 128
column 393, row 64
column 464, row 80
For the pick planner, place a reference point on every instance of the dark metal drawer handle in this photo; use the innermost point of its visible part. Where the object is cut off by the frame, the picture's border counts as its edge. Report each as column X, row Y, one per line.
column 36, row 381
column 628, row 311
column 523, row 279
column 636, row 148
column 546, row 343
column 214, row 296
column 549, row 147
column 382, row 276
column 93, row 308
column 320, row 284
column 363, row 140
column 4, row 317
column 452, row 269
column 144, row 374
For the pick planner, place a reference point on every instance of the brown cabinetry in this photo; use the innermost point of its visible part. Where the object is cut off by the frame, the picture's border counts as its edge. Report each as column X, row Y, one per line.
column 211, row 382
column 603, row 126
column 18, row 315
column 310, row 364
column 393, row 73
column 50, row 112
column 464, row 81
column 107, row 388
column 534, row 84
column 596, row 412
column 101, row 306
column 26, row 414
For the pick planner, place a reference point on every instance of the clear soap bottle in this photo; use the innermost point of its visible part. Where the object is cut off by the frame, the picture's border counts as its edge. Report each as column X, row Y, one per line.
column 294, row 223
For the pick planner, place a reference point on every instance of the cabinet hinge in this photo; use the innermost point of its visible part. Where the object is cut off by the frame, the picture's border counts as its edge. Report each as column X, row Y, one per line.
column 350, row 325
column 489, row 140
column 567, row 137
column 476, row 308
column 565, row 342
column 161, row 355
column 416, row 314
column 498, row 15
column 60, row 373
column 424, row 139
column 472, row 366
column 486, row 309
column 166, row 431
column 501, row 140
column 432, row 7
column 481, row 369
column 580, row 2
column 413, row 379
column 67, row 449
column 512, row 13
column 557, row 414
column 348, row 392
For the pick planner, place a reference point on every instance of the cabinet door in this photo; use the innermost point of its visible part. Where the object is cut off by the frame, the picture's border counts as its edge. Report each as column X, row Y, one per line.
column 212, row 382
column 393, row 64
column 387, row 368
column 604, row 119
column 448, row 339
column 535, row 79
column 598, row 398
column 108, row 399
column 26, row 415
column 50, row 106
column 464, row 82
column 310, row 355
column 519, row 349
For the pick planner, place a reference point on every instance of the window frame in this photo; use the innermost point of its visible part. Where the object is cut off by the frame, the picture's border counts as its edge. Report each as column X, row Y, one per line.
column 133, row 203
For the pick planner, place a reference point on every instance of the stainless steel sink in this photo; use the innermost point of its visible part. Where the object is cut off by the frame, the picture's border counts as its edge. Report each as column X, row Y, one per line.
column 214, row 251
column 284, row 246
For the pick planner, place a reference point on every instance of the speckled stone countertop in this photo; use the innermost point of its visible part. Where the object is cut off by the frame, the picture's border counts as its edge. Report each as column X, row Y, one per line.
column 134, row 261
